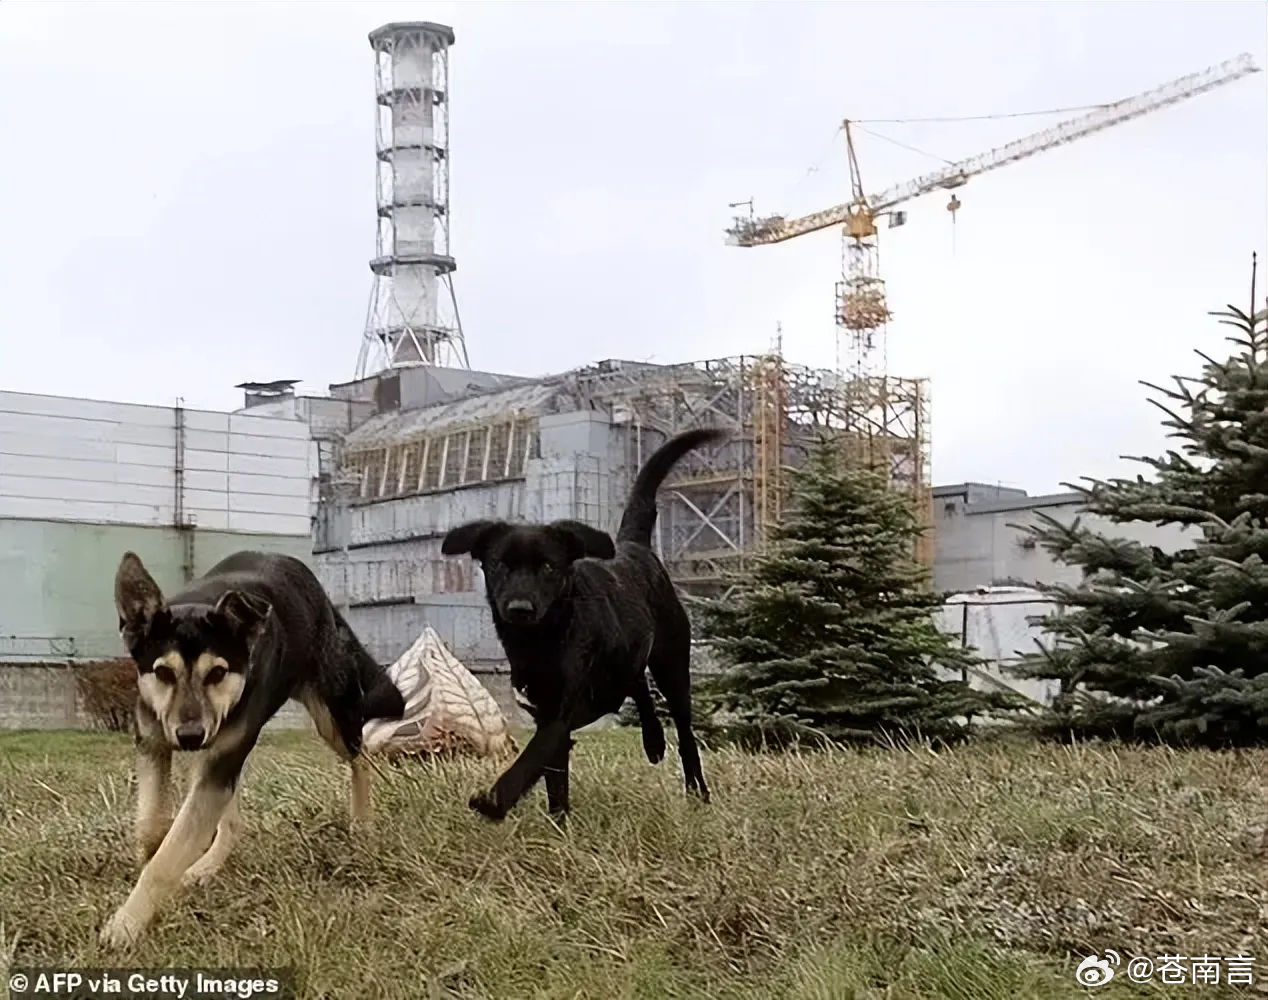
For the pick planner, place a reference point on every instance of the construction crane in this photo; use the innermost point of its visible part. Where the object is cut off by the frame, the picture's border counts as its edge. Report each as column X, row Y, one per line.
column 861, row 307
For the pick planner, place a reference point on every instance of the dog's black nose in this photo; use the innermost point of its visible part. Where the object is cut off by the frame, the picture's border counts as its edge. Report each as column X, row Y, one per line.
column 190, row 735
column 519, row 610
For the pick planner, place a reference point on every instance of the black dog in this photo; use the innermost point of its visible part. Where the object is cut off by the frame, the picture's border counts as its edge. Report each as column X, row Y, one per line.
column 580, row 620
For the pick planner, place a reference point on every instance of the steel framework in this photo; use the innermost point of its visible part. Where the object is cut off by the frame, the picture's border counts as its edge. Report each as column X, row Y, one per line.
column 723, row 501
column 412, row 317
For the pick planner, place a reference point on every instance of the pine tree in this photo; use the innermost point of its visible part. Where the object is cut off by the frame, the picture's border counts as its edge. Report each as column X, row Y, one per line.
column 1174, row 646
column 831, row 636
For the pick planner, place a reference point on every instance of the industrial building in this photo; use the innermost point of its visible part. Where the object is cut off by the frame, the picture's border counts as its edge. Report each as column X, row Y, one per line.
column 978, row 541
column 447, row 445
column 82, row 481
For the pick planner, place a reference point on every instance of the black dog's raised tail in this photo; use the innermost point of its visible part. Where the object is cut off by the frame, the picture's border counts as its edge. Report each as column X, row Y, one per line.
column 640, row 509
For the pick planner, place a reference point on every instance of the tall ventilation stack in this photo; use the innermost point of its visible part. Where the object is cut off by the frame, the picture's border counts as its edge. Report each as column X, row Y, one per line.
column 413, row 314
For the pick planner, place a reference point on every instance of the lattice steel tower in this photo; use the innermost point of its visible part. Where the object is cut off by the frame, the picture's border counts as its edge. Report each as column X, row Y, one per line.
column 413, row 314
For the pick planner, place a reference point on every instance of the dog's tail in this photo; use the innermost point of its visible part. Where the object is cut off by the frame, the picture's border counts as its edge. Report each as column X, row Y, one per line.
column 380, row 698
column 640, row 509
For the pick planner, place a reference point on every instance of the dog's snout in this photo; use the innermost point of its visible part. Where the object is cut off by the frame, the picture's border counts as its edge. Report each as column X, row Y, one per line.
column 519, row 609
column 190, row 735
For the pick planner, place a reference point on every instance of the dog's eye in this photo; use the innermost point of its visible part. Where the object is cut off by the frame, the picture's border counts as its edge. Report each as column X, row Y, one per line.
column 165, row 675
column 215, row 675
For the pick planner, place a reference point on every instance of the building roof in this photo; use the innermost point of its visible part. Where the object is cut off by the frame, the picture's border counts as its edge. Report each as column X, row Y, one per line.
column 550, row 395
column 972, row 486
column 983, row 498
column 561, row 393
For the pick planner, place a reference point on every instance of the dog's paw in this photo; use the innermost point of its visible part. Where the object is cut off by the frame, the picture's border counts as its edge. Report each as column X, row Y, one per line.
column 487, row 806
column 654, row 745
column 198, row 874
column 121, row 931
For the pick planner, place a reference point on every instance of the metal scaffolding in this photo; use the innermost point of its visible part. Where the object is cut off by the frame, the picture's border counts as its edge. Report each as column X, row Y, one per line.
column 723, row 500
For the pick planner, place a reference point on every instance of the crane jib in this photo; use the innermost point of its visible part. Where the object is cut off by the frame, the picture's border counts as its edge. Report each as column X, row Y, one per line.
column 776, row 229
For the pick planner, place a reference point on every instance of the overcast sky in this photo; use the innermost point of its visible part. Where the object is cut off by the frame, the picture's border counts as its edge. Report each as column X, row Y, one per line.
column 187, row 198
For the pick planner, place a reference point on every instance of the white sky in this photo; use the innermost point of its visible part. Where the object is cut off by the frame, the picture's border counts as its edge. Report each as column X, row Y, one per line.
column 187, row 198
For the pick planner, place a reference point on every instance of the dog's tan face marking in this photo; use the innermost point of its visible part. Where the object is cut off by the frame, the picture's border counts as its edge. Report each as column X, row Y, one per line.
column 180, row 694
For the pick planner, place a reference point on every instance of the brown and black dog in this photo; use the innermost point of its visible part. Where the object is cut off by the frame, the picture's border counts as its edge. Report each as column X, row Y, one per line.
column 214, row 663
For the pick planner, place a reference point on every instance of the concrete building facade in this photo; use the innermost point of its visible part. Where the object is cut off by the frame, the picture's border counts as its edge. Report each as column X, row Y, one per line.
column 83, row 481
column 451, row 446
column 365, row 482
column 979, row 543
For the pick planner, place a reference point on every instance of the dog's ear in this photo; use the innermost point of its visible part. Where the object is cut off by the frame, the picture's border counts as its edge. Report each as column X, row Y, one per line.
column 475, row 537
column 584, row 541
column 137, row 599
column 245, row 613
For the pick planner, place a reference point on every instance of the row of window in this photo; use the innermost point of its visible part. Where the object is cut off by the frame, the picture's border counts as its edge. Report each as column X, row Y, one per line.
column 442, row 461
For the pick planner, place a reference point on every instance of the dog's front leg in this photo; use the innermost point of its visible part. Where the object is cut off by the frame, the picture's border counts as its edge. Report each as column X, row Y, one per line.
column 557, row 782
column 227, row 834
column 543, row 749
column 189, row 838
column 153, row 797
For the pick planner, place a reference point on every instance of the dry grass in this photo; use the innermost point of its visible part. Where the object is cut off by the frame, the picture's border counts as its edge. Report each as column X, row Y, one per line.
column 107, row 693
column 978, row 873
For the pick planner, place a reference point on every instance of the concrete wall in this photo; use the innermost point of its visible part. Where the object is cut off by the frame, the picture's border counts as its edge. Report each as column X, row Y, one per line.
column 82, row 481
column 995, row 622
column 57, row 604
column 115, row 463
column 976, row 544
column 57, row 579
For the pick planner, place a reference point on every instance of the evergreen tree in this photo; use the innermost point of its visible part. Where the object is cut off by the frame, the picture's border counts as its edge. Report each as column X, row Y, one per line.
column 1173, row 646
column 832, row 636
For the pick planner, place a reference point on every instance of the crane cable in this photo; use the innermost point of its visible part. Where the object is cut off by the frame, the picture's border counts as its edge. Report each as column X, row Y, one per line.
column 859, row 123
column 979, row 118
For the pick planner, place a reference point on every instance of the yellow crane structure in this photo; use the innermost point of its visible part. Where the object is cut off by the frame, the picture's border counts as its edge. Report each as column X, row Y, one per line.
column 871, row 399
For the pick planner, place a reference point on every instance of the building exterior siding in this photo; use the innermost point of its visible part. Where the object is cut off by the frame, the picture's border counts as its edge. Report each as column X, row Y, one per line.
column 57, row 579
column 115, row 463
column 978, row 542
column 82, row 481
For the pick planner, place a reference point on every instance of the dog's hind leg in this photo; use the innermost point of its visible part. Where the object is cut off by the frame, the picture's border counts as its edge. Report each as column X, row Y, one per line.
column 342, row 734
column 648, row 720
column 227, row 834
column 673, row 677
column 191, row 834
column 153, row 797
column 360, row 807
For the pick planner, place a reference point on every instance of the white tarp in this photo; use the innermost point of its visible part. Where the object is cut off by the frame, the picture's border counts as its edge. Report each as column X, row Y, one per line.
column 446, row 708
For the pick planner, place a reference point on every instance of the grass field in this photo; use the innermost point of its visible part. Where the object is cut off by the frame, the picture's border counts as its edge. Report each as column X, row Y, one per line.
column 981, row 873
